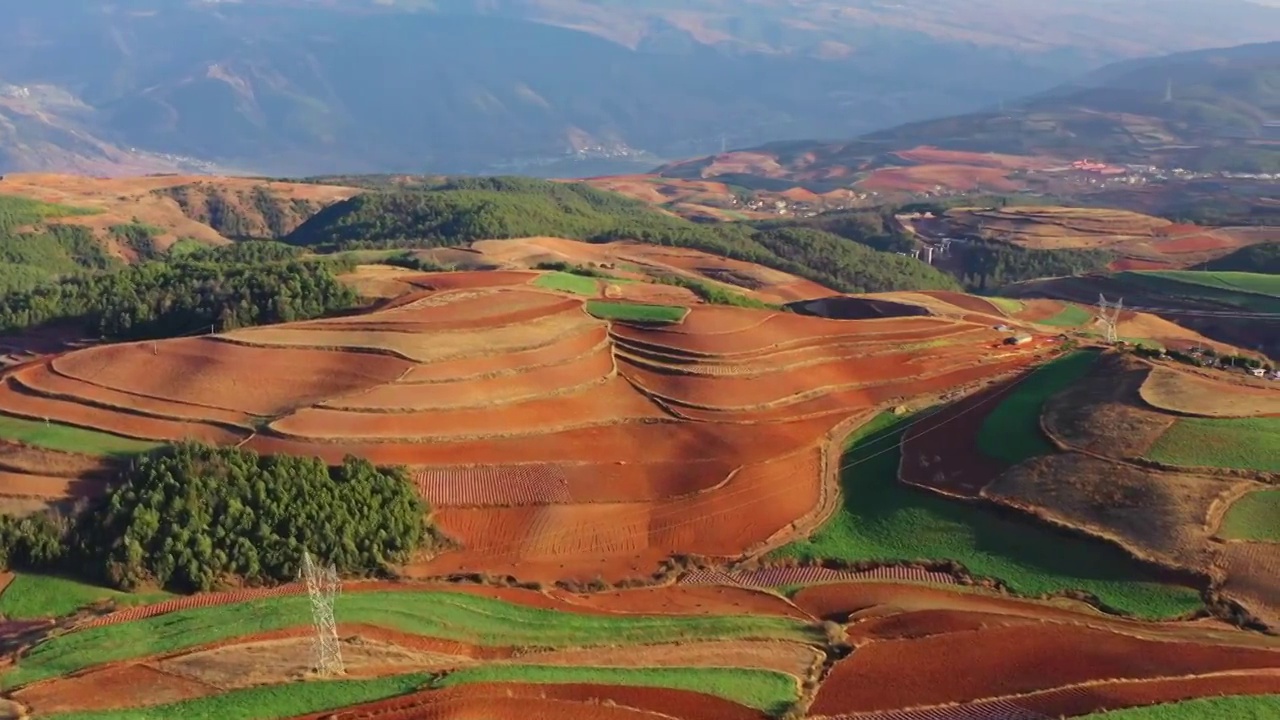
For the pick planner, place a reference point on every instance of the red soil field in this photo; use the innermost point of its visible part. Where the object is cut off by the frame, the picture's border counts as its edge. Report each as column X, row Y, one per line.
column 573, row 375
column 1097, row 697
column 1039, row 310
column 941, row 452
column 489, row 310
column 474, row 279
column 922, row 178
column 1005, row 661
column 532, row 484
column 779, row 576
column 925, row 623
column 965, row 302
column 1206, row 242
column 1138, row 264
column 609, row 402
column 208, row 372
column 120, row 687
column 929, row 154
column 44, row 487
column 42, row 380
column 559, row 350
column 547, row 702
column 14, row 401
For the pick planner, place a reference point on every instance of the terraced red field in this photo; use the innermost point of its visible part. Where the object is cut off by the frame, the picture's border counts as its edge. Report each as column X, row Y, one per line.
column 549, row 442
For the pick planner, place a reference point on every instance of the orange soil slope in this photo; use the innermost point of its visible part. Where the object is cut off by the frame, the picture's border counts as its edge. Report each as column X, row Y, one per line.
column 550, row 443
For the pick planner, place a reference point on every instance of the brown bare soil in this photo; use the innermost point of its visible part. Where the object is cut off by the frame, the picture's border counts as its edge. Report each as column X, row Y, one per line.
column 468, row 280
column 560, row 349
column 45, row 487
column 790, row 658
column 379, row 282
column 930, row 176
column 1103, row 414
column 1192, row 394
column 1003, row 661
column 19, row 458
column 207, row 372
column 1253, row 578
column 1157, row 515
column 940, row 451
column 119, row 687
column 925, row 623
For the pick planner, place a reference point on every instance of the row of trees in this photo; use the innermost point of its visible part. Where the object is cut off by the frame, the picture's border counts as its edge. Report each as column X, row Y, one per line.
column 990, row 264
column 220, row 288
column 191, row 516
column 461, row 211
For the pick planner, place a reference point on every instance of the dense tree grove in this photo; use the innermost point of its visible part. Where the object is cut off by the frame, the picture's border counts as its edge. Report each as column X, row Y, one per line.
column 223, row 288
column 460, row 211
column 1261, row 258
column 989, row 264
column 191, row 515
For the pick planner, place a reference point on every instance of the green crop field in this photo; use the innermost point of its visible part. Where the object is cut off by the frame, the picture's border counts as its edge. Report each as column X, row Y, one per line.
column 765, row 690
column 36, row 596
column 1007, row 305
column 569, row 282
column 1249, row 291
column 1011, row 432
column 267, row 702
column 1069, row 317
column 1260, row 283
column 1255, row 516
column 56, row 436
column 1252, row 707
column 17, row 211
column 451, row 616
column 636, row 313
column 1242, row 443
column 882, row 519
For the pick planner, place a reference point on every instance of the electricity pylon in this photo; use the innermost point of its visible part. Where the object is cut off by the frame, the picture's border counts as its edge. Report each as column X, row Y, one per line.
column 1112, row 319
column 323, row 586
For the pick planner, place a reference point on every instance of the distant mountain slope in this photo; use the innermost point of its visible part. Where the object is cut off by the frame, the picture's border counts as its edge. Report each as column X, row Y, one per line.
column 562, row 87
column 1207, row 110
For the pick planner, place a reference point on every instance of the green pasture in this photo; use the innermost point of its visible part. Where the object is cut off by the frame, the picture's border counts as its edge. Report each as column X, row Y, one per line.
column 772, row 692
column 17, row 211
column 1255, row 516
column 1239, row 707
column 451, row 616
column 569, row 282
column 31, row 596
column 628, row 312
column 66, row 438
column 1253, row 292
column 1071, row 316
column 1008, row 306
column 1240, row 443
column 267, row 702
column 1011, row 431
column 882, row 519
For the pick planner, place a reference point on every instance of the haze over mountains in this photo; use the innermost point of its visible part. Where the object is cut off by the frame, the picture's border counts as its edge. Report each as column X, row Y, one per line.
column 533, row 86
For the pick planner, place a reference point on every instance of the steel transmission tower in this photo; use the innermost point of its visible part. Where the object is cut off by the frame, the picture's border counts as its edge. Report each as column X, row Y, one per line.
column 1112, row 319
column 323, row 586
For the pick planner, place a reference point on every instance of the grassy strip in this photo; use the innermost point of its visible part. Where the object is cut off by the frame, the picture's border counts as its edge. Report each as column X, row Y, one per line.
column 65, row 438
column 1011, row 432
column 37, row 596
column 569, row 282
column 636, row 313
column 1255, row 516
column 451, row 616
column 716, row 295
column 1243, row 443
column 16, row 211
column 268, row 701
column 882, row 519
column 1257, row 294
column 1260, row 283
column 772, row 692
column 1238, row 707
column 1069, row 317
column 1008, row 306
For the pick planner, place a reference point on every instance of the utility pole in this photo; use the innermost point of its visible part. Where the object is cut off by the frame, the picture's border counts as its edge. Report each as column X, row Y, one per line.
column 322, row 587
column 1110, row 320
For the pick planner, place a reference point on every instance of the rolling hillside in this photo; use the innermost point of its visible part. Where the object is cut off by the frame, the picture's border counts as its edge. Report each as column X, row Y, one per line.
column 1207, row 110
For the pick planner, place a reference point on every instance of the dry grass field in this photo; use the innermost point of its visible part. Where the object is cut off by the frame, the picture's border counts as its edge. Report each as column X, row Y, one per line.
column 1190, row 393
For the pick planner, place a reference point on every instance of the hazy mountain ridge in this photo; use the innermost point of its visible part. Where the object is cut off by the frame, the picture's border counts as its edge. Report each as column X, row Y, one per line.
column 305, row 87
column 1214, row 110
